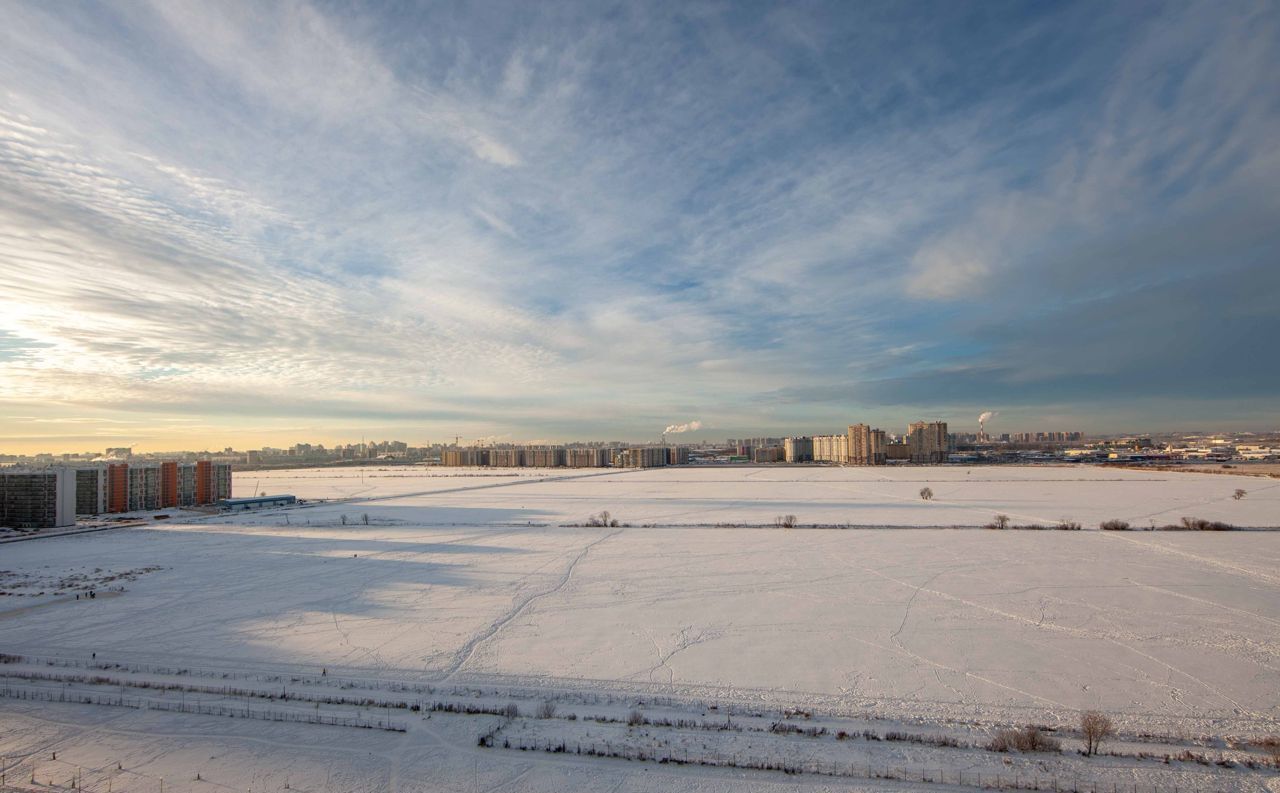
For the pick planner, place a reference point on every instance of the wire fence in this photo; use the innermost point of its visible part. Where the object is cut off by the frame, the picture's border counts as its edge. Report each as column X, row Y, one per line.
column 983, row 780
column 201, row 709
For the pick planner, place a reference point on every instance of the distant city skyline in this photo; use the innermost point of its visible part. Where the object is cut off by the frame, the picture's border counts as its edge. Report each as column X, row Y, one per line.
column 694, row 438
column 248, row 224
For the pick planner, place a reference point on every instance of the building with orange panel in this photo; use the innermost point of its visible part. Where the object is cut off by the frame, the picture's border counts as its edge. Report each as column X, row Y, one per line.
column 204, row 482
column 118, row 487
column 168, row 485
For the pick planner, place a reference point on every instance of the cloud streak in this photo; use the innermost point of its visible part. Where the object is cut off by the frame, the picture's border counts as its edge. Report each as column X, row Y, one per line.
column 550, row 223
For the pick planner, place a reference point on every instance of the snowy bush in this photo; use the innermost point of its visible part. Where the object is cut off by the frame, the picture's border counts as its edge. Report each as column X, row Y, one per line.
column 1271, row 744
column 1114, row 525
column 1200, row 524
column 1026, row 739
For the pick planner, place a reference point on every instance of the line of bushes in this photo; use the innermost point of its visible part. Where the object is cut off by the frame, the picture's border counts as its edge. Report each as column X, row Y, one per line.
column 1187, row 524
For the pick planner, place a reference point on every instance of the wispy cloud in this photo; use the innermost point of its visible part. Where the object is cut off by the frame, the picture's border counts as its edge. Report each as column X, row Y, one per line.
column 555, row 222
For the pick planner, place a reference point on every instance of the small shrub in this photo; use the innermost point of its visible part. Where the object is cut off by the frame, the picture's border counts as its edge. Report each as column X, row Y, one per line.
column 1239, row 494
column 1067, row 525
column 511, row 711
column 1027, row 739
column 926, row 493
column 1000, row 522
column 547, row 710
column 1271, row 745
column 1200, row 524
column 1114, row 525
column 636, row 718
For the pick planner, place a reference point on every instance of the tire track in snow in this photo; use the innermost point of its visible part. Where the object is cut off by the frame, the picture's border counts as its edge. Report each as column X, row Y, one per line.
column 1052, row 626
column 1231, row 568
column 467, row 650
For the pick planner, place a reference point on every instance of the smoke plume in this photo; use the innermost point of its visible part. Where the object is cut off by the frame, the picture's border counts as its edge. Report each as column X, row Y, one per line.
column 692, row 426
column 986, row 416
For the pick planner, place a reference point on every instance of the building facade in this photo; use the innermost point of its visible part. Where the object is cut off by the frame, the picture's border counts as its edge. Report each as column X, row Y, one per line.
column 591, row 457
column 928, row 442
column 464, row 458
column 42, row 498
column 798, row 450
column 769, row 454
column 831, row 448
column 641, row 457
column 866, row 445
column 91, row 490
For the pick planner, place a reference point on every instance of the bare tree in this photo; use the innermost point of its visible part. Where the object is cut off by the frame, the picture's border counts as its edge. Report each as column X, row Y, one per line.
column 547, row 710
column 1239, row 494
column 788, row 521
column 926, row 493
column 1096, row 728
column 999, row 522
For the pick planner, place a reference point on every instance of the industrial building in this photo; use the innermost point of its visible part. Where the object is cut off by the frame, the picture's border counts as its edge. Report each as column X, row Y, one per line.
column 39, row 498
column 258, row 502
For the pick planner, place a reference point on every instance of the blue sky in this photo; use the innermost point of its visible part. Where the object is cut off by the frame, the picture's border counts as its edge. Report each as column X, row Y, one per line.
column 230, row 223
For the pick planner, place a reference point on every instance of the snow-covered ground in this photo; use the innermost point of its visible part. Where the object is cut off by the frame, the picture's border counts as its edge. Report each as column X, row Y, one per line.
column 927, row 631
column 711, row 495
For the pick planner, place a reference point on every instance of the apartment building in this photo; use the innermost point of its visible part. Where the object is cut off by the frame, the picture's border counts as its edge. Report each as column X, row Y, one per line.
column 506, row 458
column 928, row 441
column 641, row 457
column 866, row 445
column 91, row 490
column 545, row 457
column 769, row 454
column 40, row 498
column 798, row 450
column 144, row 486
column 594, row 457
column 831, row 448
column 458, row 458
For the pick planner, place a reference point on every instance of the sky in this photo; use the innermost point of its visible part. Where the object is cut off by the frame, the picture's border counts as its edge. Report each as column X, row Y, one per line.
column 238, row 224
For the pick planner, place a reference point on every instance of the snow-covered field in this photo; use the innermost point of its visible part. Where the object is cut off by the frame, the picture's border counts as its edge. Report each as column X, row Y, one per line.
column 707, row 496
column 935, row 632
